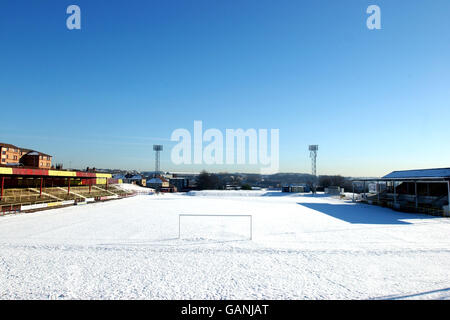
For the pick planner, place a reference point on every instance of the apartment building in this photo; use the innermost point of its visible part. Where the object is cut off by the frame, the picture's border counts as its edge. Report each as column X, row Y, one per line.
column 13, row 155
column 9, row 153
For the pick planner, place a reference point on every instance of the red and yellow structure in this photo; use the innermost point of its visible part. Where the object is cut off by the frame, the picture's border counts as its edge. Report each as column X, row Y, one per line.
column 17, row 176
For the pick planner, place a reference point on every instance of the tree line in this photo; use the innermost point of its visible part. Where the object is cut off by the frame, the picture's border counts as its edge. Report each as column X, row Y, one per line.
column 220, row 181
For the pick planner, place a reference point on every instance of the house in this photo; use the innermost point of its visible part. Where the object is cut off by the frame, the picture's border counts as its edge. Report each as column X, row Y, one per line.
column 158, row 183
column 161, row 184
column 36, row 159
column 131, row 178
column 137, row 179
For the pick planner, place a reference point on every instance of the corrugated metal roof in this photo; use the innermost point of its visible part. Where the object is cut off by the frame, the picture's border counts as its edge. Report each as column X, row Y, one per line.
column 424, row 173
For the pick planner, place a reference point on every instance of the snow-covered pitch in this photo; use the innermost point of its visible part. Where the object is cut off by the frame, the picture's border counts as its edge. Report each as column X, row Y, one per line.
column 303, row 247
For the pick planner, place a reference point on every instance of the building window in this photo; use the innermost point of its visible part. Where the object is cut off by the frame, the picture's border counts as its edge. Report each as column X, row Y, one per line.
column 15, row 157
column 3, row 160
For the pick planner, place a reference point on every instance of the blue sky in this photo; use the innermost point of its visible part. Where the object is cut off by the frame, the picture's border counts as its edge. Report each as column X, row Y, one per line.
column 375, row 101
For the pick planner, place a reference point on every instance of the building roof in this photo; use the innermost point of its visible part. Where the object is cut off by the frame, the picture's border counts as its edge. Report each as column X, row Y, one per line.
column 7, row 145
column 26, row 151
column 441, row 173
column 154, row 180
column 157, row 180
column 35, row 153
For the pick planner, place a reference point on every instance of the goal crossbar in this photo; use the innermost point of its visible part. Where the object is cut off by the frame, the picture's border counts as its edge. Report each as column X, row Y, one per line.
column 215, row 215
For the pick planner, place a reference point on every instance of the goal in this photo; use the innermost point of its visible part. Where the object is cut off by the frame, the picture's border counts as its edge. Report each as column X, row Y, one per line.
column 212, row 223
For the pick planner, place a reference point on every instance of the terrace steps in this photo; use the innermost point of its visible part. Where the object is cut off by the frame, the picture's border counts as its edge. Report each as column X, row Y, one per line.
column 46, row 194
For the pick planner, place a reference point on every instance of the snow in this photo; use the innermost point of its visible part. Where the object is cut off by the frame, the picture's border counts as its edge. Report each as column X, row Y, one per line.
column 228, row 193
column 303, row 247
column 134, row 187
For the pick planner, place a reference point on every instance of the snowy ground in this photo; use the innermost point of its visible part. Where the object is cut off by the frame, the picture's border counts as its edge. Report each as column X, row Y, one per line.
column 134, row 187
column 303, row 247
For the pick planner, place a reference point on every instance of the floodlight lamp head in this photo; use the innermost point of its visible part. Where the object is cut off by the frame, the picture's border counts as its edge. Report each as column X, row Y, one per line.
column 157, row 147
column 313, row 147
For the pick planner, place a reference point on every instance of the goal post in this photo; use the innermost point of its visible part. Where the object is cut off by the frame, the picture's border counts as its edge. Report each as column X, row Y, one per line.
column 216, row 215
